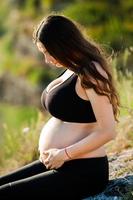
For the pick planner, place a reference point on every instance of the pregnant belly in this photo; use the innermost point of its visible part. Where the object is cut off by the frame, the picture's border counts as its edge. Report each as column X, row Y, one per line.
column 58, row 134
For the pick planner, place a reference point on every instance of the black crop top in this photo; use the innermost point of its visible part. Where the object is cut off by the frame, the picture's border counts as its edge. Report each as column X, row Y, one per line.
column 63, row 103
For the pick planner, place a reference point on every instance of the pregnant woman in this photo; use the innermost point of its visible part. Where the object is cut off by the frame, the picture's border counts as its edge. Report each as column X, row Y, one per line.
column 83, row 103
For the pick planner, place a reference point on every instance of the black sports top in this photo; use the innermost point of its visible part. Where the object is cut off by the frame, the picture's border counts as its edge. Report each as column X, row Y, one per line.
column 63, row 103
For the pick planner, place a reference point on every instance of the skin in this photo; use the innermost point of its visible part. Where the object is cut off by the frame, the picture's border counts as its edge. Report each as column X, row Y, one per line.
column 82, row 140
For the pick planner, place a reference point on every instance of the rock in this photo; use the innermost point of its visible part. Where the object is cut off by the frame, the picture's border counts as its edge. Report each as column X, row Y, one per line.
column 117, row 189
column 18, row 91
column 120, row 185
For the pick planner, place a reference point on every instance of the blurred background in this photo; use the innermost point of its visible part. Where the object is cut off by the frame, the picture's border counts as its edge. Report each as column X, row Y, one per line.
column 24, row 74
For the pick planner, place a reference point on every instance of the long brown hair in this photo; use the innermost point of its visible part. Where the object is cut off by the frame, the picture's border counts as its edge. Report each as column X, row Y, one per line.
column 66, row 43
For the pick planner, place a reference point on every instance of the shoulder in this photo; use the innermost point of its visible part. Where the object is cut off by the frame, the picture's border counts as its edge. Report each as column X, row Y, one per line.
column 90, row 91
column 102, row 108
column 100, row 103
column 93, row 96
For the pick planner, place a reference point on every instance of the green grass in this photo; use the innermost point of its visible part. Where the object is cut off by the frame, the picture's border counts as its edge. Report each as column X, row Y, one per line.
column 14, row 117
column 18, row 140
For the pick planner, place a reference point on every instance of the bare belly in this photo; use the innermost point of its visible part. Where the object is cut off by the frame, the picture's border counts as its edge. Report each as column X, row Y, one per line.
column 60, row 134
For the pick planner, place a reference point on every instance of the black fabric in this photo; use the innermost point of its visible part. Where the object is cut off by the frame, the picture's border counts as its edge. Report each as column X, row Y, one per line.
column 75, row 179
column 63, row 103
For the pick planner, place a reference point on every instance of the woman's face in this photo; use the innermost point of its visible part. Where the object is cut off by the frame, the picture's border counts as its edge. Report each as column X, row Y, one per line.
column 47, row 56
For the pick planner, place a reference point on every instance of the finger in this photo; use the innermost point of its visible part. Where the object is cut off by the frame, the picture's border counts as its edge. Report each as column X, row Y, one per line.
column 47, row 155
column 40, row 159
column 49, row 158
column 49, row 166
column 46, row 162
column 46, row 152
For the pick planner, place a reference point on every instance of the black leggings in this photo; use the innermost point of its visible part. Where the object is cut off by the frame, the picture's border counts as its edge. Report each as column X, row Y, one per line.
column 75, row 179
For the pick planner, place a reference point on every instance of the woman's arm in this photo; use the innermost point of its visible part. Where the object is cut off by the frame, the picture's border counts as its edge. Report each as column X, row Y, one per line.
column 54, row 158
column 106, row 126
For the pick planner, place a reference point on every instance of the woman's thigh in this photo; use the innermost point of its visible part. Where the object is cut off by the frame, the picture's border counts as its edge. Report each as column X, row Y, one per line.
column 28, row 170
column 50, row 184
column 76, row 179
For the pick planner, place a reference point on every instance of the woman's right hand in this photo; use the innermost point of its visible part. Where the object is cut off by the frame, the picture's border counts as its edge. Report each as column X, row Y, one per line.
column 53, row 158
column 42, row 157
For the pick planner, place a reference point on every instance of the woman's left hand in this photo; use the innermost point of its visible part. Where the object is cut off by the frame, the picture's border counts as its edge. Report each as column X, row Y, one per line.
column 53, row 158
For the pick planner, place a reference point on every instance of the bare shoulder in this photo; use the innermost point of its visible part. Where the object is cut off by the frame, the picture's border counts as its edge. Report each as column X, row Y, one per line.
column 91, row 93
column 101, row 105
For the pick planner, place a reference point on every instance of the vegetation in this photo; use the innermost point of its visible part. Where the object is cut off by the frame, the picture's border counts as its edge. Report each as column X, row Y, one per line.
column 112, row 28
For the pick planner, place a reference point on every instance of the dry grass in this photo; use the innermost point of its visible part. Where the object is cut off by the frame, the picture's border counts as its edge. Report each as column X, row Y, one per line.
column 124, row 138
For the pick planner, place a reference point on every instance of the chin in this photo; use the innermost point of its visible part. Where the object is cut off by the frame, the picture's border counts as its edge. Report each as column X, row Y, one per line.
column 55, row 65
column 59, row 66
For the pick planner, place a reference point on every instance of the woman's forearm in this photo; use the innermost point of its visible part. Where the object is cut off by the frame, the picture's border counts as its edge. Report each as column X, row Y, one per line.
column 90, row 143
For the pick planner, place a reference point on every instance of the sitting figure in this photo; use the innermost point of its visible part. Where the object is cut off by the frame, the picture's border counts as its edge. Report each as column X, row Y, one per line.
column 83, row 104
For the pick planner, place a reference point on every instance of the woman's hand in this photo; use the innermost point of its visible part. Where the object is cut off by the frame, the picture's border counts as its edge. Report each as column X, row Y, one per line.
column 53, row 158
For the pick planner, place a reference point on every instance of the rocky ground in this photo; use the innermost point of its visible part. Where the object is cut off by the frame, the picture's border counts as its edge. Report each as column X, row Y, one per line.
column 121, row 178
